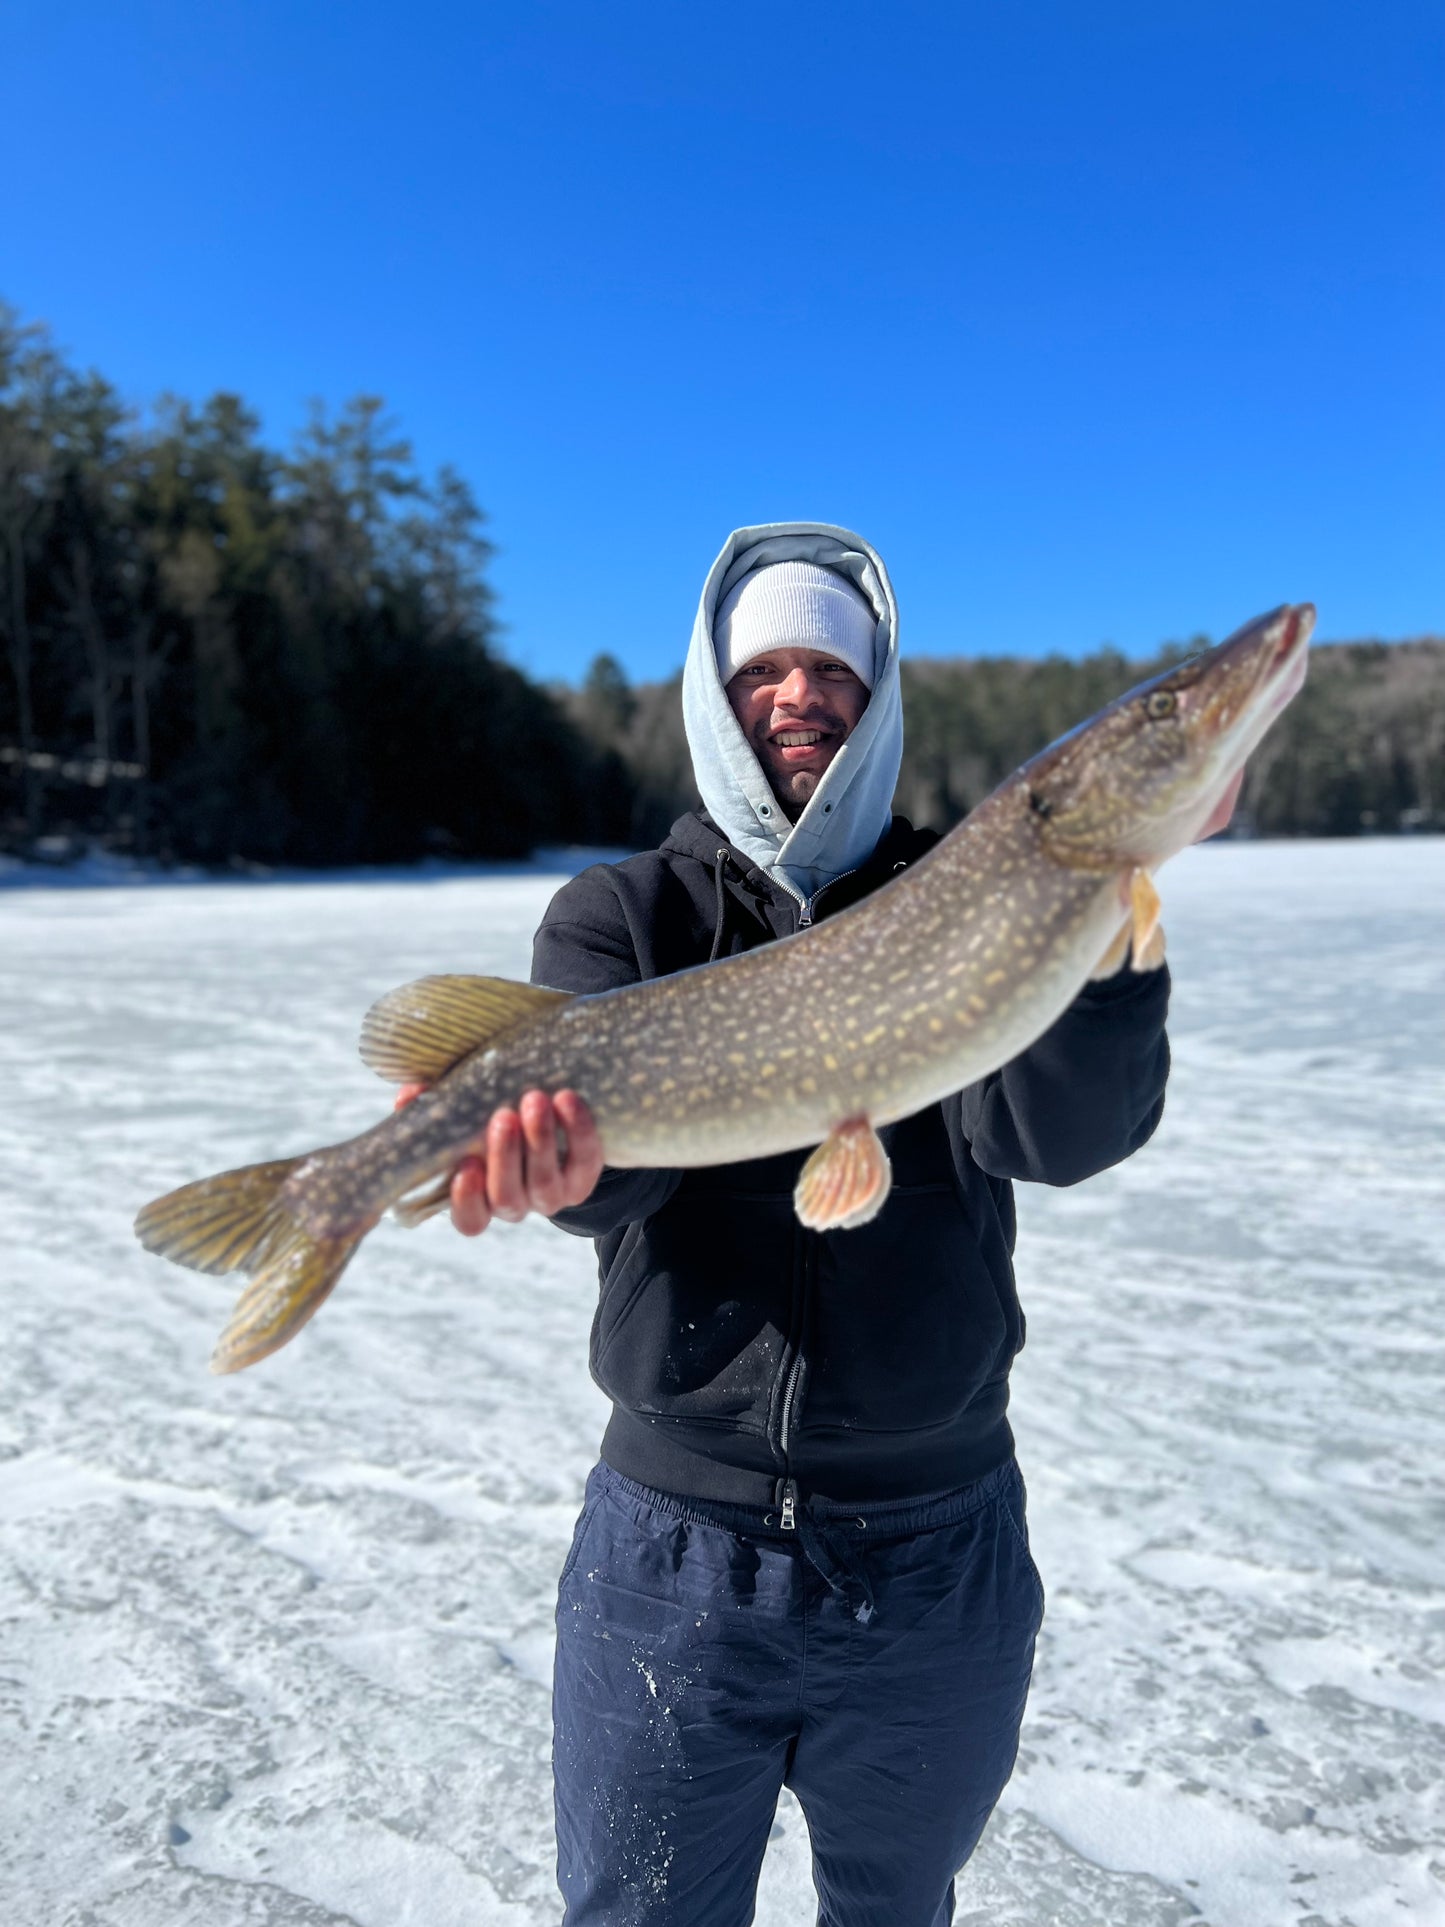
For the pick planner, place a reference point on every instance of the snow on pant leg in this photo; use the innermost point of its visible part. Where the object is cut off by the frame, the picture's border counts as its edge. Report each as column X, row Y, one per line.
column 907, row 1745
column 675, row 1701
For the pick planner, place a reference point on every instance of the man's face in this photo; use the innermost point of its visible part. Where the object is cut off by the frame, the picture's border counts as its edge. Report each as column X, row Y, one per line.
column 797, row 708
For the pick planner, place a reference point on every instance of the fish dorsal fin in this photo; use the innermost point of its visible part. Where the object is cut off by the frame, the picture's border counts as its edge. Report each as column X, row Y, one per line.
column 415, row 1034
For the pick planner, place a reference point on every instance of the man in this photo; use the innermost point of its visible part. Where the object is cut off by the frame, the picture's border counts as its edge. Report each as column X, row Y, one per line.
column 803, row 1558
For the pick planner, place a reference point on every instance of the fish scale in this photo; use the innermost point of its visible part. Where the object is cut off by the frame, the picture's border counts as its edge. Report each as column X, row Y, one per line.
column 935, row 980
column 750, row 1057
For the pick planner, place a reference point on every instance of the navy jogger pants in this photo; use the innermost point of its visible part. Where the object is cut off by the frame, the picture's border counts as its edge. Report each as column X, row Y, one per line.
column 875, row 1662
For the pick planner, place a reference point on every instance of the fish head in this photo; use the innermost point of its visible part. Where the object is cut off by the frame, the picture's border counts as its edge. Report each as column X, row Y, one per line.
column 1139, row 781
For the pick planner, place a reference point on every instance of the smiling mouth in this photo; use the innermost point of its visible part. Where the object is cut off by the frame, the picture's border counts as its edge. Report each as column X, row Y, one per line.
column 797, row 738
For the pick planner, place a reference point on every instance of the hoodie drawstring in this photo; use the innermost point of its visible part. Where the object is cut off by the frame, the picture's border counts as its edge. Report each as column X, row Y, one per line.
column 720, row 914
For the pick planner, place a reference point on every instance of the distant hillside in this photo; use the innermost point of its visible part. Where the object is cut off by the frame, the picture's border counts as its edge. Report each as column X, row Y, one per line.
column 1360, row 751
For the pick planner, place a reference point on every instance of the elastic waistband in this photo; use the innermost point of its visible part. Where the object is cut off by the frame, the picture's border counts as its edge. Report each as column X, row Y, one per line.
column 864, row 1523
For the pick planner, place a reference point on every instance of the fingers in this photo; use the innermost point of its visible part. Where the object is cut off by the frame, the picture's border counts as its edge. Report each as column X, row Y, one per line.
column 542, row 1174
column 542, row 1156
column 584, row 1148
column 506, row 1187
column 471, row 1209
column 524, row 1160
column 407, row 1095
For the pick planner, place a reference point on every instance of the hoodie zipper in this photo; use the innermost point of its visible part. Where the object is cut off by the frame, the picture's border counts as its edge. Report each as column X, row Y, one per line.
column 786, row 1491
column 805, row 916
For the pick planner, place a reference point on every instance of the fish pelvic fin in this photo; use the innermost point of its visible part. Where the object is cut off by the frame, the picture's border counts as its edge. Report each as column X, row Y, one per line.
column 414, row 1035
column 845, row 1181
column 239, row 1222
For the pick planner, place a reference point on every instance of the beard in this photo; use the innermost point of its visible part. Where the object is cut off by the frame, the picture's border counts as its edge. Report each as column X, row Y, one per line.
column 794, row 790
column 794, row 787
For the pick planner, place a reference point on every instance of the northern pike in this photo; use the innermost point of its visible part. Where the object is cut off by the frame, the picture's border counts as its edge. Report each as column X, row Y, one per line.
column 935, row 980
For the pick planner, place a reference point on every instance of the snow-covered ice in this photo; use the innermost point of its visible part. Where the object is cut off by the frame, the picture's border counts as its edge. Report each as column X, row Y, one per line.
column 274, row 1649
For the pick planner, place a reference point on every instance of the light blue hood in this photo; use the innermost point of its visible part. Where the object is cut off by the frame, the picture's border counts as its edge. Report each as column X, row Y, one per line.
column 852, row 805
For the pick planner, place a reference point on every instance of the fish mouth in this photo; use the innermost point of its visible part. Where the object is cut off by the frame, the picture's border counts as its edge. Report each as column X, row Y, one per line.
column 1259, row 672
column 1282, row 644
column 1266, row 667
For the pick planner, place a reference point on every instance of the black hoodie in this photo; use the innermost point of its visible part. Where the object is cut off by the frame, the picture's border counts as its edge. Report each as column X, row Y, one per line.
column 747, row 1357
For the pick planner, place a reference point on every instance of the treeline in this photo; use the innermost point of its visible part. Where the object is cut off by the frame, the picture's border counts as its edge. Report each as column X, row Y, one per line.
column 216, row 652
column 220, row 653
column 1361, row 749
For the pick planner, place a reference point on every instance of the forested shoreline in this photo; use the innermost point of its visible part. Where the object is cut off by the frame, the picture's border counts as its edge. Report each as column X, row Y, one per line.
column 214, row 651
column 219, row 653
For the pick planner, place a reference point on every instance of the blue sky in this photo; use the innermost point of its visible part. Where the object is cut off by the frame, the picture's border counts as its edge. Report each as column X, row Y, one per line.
column 1113, row 322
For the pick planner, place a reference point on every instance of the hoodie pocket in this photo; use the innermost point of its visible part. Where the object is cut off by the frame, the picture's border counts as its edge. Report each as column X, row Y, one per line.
column 694, row 1315
column 908, row 1323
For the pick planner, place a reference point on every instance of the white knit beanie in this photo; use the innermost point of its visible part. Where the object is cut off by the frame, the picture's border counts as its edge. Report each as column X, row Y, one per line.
column 795, row 605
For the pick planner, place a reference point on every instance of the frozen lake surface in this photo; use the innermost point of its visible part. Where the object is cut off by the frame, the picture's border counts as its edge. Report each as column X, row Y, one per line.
column 275, row 1649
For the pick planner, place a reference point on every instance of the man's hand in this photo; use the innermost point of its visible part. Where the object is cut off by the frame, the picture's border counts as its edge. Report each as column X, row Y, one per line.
column 522, row 1166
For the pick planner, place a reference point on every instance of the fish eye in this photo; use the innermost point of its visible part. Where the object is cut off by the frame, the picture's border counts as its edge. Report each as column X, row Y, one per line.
column 1161, row 703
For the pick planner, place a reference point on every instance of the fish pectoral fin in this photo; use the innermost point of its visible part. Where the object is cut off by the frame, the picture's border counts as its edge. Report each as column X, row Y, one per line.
column 845, row 1181
column 1144, row 902
column 1113, row 957
column 1152, row 955
column 1141, row 936
column 415, row 1034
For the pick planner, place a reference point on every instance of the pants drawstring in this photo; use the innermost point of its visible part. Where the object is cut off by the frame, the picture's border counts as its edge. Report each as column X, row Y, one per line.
column 840, row 1566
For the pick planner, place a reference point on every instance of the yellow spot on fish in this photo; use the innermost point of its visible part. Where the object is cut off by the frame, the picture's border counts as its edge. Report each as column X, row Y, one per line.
column 830, row 1063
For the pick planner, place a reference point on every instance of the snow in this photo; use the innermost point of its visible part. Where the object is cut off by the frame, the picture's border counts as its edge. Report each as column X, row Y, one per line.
column 275, row 1649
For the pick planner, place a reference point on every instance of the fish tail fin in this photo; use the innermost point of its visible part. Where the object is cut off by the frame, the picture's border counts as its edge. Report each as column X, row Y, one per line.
column 238, row 1221
column 294, row 1283
column 220, row 1224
